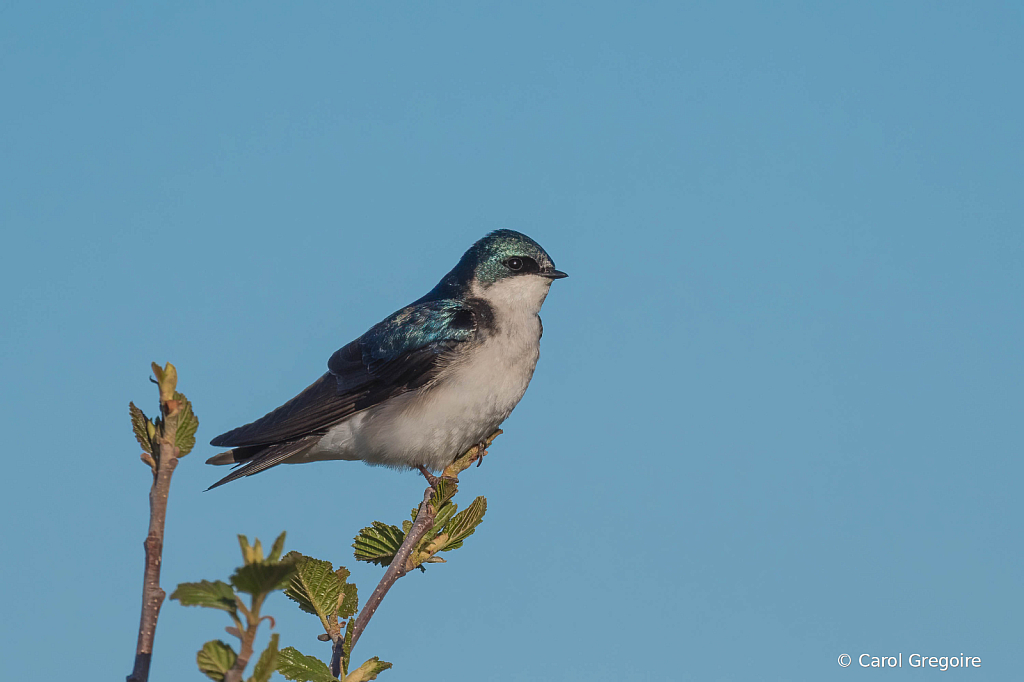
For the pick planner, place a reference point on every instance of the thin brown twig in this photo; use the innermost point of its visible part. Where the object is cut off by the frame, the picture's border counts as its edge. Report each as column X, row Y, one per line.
column 244, row 653
column 164, row 462
column 152, row 594
column 399, row 565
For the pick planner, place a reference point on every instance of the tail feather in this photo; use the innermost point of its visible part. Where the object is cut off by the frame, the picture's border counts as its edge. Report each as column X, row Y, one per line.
column 235, row 456
column 256, row 458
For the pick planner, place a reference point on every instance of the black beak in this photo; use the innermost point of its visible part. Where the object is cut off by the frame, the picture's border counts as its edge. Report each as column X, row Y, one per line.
column 553, row 274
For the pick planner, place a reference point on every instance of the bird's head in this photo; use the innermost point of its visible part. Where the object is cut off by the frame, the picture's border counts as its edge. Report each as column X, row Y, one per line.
column 507, row 254
column 506, row 267
column 509, row 269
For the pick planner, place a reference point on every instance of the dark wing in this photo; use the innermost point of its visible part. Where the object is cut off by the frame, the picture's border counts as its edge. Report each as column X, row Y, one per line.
column 401, row 353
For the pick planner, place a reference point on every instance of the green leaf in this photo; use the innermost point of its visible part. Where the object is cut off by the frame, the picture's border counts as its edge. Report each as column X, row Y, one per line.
column 378, row 543
column 315, row 587
column 443, row 492
column 267, row 664
column 464, row 524
column 349, row 602
column 263, row 576
column 215, row 595
column 296, row 666
column 247, row 551
column 215, row 659
column 368, row 671
column 254, row 553
column 444, row 515
column 139, row 428
column 188, row 424
column 278, row 547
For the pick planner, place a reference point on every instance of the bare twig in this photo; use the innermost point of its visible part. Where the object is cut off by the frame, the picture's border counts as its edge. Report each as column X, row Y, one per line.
column 164, row 462
column 244, row 651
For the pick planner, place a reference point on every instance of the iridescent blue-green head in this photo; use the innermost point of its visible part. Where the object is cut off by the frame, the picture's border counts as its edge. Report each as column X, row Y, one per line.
column 504, row 257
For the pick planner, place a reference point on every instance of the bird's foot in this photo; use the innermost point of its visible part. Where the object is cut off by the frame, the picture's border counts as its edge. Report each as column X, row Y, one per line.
column 481, row 450
column 436, row 481
column 466, row 459
column 431, row 478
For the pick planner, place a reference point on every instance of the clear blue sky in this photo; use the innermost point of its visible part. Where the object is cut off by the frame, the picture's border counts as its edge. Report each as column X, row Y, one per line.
column 777, row 416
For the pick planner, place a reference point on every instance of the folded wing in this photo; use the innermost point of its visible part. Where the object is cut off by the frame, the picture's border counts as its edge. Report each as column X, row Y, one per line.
column 403, row 352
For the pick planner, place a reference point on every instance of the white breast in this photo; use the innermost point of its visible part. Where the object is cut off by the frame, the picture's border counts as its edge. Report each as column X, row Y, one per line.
column 466, row 402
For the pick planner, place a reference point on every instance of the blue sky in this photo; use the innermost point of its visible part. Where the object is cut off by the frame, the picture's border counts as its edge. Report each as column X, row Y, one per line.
column 777, row 412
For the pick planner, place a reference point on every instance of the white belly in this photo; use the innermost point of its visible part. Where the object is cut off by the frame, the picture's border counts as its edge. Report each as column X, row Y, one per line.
column 435, row 424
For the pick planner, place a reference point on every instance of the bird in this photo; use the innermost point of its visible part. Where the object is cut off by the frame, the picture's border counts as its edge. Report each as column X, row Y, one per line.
column 423, row 385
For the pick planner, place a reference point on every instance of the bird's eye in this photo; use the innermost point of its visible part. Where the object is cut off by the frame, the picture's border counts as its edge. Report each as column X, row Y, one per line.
column 514, row 263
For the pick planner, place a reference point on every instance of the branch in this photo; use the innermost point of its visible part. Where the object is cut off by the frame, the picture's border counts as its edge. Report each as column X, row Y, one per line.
column 424, row 522
column 399, row 565
column 244, row 651
column 163, row 462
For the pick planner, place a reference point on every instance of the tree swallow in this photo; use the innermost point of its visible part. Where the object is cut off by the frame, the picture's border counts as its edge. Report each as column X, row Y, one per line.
column 425, row 384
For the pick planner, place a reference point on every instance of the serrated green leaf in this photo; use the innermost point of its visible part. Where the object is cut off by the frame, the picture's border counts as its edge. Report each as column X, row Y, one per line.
column 368, row 671
column 378, row 543
column 267, row 664
column 301, row 668
column 277, row 548
column 215, row 659
column 213, row 595
column 444, row 515
column 188, row 424
column 263, row 576
column 443, row 492
column 349, row 601
column 315, row 587
column 140, row 428
column 464, row 524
